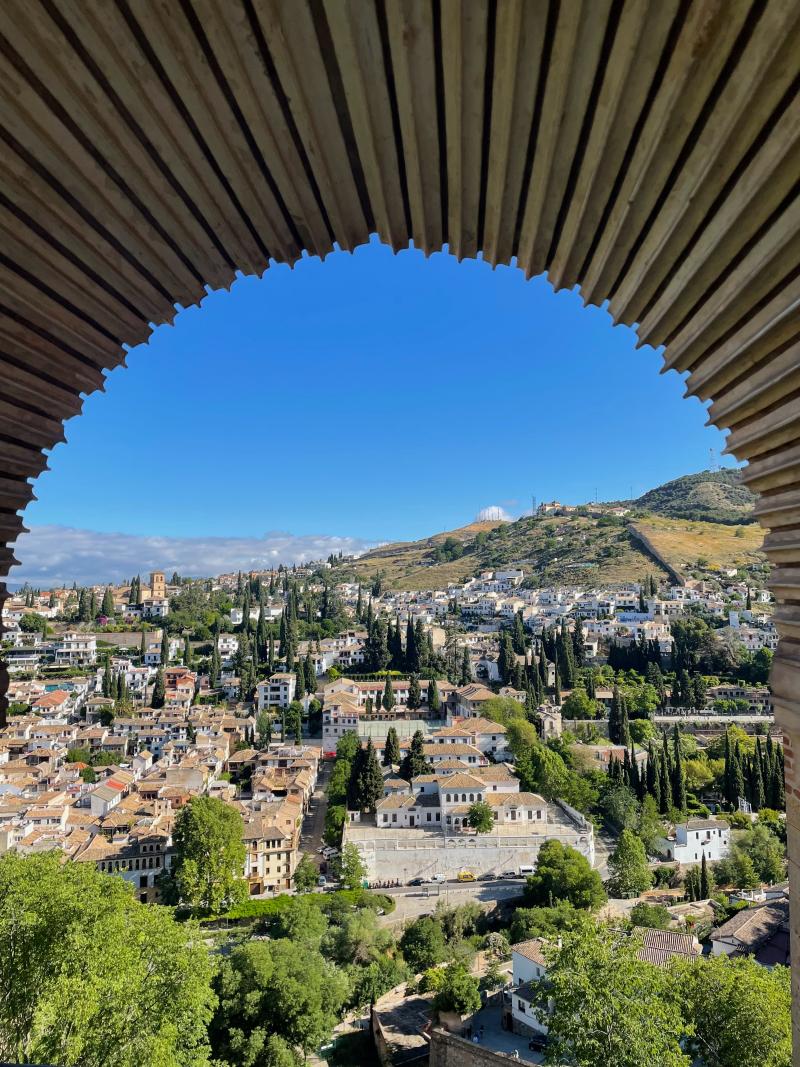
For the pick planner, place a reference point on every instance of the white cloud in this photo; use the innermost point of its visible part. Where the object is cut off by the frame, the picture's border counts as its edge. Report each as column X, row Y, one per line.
column 493, row 513
column 58, row 555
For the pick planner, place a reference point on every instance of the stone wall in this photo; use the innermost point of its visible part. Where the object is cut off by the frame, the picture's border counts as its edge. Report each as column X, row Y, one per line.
column 447, row 1050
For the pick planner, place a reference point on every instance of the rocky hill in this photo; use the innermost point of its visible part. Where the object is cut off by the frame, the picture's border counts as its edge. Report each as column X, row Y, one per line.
column 661, row 534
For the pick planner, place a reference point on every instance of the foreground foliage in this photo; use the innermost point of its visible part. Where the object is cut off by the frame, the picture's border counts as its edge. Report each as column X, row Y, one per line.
column 91, row 977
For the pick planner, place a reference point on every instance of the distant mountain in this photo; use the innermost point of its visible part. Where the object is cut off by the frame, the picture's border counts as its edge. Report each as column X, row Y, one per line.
column 710, row 496
column 700, row 520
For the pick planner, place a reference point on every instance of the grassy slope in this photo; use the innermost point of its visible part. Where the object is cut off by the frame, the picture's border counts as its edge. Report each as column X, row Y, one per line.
column 682, row 542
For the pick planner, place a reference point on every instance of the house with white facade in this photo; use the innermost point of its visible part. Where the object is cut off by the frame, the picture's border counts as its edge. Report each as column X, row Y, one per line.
column 691, row 840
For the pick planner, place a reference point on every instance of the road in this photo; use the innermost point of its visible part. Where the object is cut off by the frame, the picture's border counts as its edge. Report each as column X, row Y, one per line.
column 311, row 833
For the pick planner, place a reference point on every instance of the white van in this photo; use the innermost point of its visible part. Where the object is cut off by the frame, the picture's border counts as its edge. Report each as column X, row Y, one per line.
column 525, row 871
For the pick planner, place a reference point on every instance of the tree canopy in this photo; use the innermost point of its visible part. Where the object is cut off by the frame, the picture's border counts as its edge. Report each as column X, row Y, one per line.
column 563, row 873
column 93, row 978
column 209, row 855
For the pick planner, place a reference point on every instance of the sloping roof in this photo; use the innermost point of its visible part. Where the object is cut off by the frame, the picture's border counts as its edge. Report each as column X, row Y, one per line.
column 751, row 927
column 660, row 946
column 531, row 950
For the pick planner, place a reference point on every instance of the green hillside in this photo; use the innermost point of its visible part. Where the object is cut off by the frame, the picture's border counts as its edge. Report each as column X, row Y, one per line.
column 709, row 496
column 703, row 517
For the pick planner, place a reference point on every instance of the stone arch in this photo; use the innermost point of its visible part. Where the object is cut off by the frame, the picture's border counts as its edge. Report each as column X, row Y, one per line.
column 644, row 150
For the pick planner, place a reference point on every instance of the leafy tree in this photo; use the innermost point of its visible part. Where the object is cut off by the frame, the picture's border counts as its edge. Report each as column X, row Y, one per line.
column 264, row 727
column 740, row 1012
column 480, row 817
column 209, row 854
column 306, row 874
column 545, row 922
column 654, row 916
column 765, row 852
column 274, row 998
column 466, row 667
column 93, row 978
column 627, row 865
column 608, row 1007
column 350, row 867
column 301, row 921
column 458, row 992
column 370, row 983
column 562, row 873
column 391, row 751
column 579, row 705
column 423, row 943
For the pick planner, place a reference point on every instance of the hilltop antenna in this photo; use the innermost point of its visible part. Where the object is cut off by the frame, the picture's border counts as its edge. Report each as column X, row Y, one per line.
column 533, row 505
column 712, row 454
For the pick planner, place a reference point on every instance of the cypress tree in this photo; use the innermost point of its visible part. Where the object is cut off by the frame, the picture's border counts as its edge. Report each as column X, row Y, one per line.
column 271, row 655
column 737, row 775
column 637, row 782
column 412, row 652
column 543, row 671
column 614, row 716
column 678, row 775
column 758, row 795
column 414, row 693
column 309, row 674
column 388, row 694
column 518, row 634
column 359, row 605
column 391, row 751
column 413, row 763
column 370, row 786
column 159, row 690
column 434, row 700
column 108, row 603
column 164, row 648
column 706, row 880
column 578, row 646
column 187, row 652
column 557, row 687
column 466, row 667
column 651, row 773
column 624, row 728
column 665, row 793
column 107, row 677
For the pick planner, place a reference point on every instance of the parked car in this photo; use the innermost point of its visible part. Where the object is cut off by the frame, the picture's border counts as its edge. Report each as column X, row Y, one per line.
column 466, row 876
column 538, row 1043
column 322, row 880
column 419, row 881
column 438, row 878
column 510, row 874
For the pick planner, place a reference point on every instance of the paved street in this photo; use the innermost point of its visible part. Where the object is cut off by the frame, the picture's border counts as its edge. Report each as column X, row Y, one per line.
column 314, row 822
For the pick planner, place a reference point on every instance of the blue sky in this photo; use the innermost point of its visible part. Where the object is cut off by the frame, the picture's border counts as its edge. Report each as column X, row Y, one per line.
column 373, row 397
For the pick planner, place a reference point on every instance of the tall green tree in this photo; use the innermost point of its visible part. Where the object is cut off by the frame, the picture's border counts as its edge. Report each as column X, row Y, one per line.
column 388, row 695
column 434, row 700
column 210, row 855
column 370, row 786
column 107, row 607
column 414, row 693
column 159, row 690
column 563, row 873
column 414, row 763
column 627, row 865
column 391, row 751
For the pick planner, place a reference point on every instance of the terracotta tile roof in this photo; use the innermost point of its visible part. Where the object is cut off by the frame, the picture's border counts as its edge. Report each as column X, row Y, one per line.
column 531, row 950
column 660, row 946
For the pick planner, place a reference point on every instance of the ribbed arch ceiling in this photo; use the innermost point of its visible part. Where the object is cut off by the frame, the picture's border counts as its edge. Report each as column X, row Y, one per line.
column 645, row 150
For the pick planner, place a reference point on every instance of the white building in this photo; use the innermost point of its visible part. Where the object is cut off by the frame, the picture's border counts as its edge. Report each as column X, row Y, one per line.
column 529, row 967
column 277, row 692
column 696, row 838
column 76, row 648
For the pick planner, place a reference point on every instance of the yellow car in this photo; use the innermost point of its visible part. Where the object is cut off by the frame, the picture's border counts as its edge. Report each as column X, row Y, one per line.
column 466, row 876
